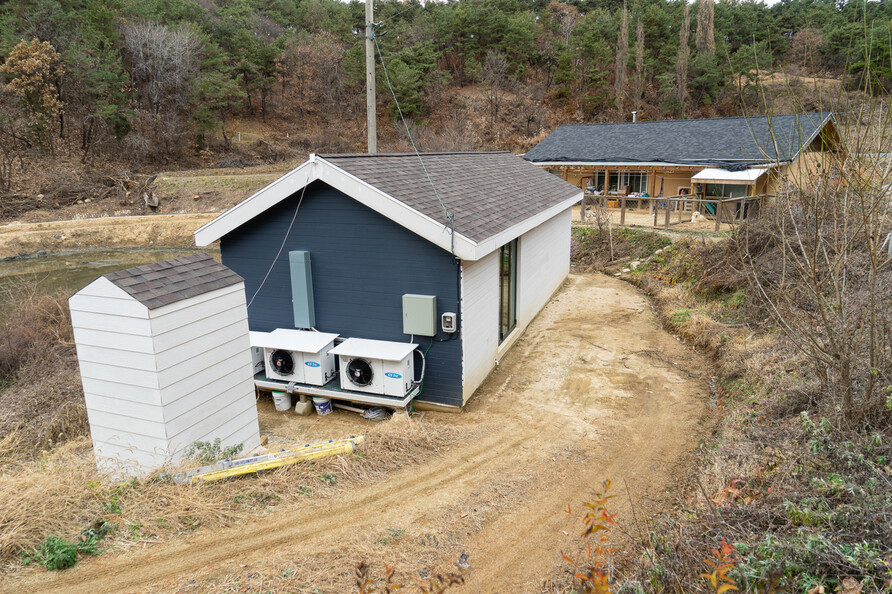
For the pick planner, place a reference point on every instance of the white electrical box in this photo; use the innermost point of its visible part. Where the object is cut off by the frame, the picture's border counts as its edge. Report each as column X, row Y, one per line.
column 299, row 356
column 376, row 366
column 420, row 315
column 448, row 322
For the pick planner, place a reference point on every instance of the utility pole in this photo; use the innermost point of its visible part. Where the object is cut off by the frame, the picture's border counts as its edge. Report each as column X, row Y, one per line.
column 371, row 119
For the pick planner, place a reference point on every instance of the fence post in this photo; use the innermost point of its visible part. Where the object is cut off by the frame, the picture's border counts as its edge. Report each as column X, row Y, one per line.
column 668, row 213
column 718, row 215
column 582, row 208
column 622, row 210
column 652, row 204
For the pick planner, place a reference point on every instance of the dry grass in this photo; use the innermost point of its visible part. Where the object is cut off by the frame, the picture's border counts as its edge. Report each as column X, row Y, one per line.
column 61, row 493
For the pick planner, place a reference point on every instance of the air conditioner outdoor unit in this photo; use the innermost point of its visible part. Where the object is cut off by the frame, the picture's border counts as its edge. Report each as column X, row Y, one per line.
column 299, row 356
column 376, row 366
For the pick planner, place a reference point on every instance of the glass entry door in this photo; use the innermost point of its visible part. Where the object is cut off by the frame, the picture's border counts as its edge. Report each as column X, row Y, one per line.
column 507, row 289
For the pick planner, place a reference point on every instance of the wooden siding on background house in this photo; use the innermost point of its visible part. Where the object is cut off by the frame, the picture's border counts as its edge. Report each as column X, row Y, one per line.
column 362, row 264
column 543, row 263
column 156, row 381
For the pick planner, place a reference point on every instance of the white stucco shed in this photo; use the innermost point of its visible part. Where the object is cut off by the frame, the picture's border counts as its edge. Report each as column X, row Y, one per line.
column 165, row 361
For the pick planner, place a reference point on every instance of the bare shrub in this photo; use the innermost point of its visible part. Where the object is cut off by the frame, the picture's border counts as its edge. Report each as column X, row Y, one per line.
column 41, row 401
column 816, row 263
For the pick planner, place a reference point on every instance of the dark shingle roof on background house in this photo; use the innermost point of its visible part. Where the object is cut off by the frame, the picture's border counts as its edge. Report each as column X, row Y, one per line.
column 724, row 142
column 163, row 283
column 486, row 192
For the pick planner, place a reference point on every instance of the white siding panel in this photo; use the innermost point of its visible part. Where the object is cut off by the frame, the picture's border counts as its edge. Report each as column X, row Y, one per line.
column 479, row 320
column 101, row 287
column 236, row 332
column 110, row 323
column 192, row 383
column 116, row 357
column 204, row 408
column 135, row 425
column 121, row 391
column 201, row 313
column 127, row 408
column 123, row 375
column 127, row 439
column 219, row 385
column 196, row 364
column 544, row 261
column 248, row 436
column 224, row 422
column 106, row 339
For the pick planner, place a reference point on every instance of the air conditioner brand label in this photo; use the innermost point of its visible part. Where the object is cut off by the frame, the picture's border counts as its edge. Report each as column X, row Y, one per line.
column 393, row 375
column 311, row 364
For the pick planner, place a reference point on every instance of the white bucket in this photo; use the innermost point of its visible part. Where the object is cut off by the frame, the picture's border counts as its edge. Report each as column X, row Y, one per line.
column 282, row 400
column 323, row 405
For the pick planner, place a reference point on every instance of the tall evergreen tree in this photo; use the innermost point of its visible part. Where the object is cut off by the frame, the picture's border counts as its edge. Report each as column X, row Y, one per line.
column 622, row 59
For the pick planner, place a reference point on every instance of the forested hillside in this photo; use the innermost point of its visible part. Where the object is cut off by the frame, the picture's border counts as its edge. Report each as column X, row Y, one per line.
column 150, row 82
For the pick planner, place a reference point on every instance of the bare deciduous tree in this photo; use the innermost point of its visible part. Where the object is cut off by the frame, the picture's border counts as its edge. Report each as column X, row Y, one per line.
column 819, row 264
column 622, row 59
column 681, row 64
column 162, row 63
column 495, row 83
column 639, row 63
column 706, row 28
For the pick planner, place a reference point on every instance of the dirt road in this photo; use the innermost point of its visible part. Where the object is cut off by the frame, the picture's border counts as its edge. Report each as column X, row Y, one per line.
column 595, row 389
column 162, row 230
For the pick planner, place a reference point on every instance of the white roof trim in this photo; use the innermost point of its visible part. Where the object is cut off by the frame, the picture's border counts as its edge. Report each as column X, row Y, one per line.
column 317, row 168
column 712, row 175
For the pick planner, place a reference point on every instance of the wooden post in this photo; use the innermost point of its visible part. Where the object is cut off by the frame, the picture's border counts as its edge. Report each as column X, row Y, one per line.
column 370, row 102
column 680, row 207
column 582, row 208
column 668, row 213
column 652, row 205
column 622, row 210
column 718, row 215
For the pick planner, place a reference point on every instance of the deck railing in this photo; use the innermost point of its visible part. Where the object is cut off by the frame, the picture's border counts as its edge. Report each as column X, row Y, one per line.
column 662, row 207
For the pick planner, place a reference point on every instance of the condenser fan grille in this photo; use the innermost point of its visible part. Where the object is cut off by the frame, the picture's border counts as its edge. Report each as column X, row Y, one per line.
column 360, row 372
column 283, row 362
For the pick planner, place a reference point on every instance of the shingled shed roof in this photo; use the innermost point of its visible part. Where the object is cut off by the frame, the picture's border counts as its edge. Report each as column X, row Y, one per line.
column 163, row 283
column 492, row 197
column 730, row 143
column 486, row 192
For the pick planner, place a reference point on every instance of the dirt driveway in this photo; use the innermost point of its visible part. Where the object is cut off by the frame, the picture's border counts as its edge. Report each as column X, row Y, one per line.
column 595, row 389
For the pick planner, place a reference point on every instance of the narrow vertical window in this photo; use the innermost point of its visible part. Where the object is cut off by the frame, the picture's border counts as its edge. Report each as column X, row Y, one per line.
column 507, row 289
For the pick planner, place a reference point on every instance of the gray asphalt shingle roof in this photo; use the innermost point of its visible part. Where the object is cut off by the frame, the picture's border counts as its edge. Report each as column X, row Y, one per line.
column 724, row 142
column 487, row 193
column 163, row 283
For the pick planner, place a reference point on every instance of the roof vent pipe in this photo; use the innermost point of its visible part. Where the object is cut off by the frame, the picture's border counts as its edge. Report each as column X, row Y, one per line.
column 634, row 116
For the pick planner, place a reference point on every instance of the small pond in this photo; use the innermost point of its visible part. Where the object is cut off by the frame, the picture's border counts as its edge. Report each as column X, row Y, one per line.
column 70, row 271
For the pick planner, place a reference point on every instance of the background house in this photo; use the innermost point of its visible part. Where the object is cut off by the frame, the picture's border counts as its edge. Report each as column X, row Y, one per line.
column 486, row 234
column 719, row 157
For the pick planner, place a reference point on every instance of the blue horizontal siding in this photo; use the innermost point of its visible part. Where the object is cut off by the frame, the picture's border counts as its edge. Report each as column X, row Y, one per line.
column 362, row 264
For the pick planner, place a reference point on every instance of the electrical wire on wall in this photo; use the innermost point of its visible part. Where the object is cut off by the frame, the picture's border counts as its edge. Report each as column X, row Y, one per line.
column 281, row 247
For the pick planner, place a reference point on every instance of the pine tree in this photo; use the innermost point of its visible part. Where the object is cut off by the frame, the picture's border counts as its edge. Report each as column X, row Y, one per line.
column 639, row 63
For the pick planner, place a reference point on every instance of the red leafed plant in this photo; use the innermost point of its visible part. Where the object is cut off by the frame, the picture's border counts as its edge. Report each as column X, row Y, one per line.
column 593, row 570
column 723, row 563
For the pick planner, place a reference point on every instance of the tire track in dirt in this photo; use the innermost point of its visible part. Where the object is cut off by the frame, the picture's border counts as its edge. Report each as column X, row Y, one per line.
column 579, row 399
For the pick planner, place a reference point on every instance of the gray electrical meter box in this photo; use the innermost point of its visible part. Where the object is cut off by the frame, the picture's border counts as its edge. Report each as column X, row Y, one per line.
column 420, row 315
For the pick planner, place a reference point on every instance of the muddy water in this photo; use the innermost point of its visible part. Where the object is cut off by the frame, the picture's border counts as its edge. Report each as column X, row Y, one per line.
column 73, row 270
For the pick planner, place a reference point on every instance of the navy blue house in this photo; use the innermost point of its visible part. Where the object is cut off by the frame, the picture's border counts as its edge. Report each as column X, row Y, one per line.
column 486, row 234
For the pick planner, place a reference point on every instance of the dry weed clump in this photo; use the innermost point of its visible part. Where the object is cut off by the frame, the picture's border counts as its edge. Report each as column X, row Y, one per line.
column 41, row 399
column 61, row 492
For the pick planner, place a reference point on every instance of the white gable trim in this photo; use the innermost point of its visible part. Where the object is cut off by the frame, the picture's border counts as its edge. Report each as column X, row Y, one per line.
column 318, row 168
